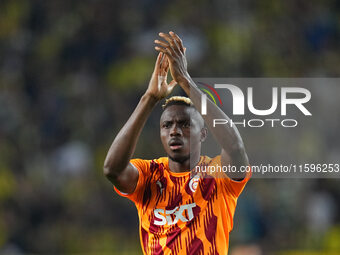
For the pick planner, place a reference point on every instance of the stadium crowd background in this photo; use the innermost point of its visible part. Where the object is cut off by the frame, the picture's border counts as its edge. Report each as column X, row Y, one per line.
column 71, row 72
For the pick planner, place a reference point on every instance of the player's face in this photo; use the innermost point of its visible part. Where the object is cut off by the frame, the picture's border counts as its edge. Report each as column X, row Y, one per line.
column 178, row 124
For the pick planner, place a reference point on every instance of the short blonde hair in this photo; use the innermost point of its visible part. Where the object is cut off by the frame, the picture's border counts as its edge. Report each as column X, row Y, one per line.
column 177, row 100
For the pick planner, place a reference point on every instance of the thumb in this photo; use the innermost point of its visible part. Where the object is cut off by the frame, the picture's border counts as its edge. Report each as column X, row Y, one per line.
column 172, row 84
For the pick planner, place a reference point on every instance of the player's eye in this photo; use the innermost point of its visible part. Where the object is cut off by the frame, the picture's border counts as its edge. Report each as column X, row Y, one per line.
column 166, row 124
column 186, row 124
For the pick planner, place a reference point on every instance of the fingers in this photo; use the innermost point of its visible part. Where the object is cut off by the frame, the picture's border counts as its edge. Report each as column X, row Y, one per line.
column 158, row 60
column 178, row 41
column 165, row 64
column 170, row 40
column 161, row 43
column 166, row 51
column 162, row 59
column 173, row 44
column 161, row 65
column 165, row 46
column 172, row 84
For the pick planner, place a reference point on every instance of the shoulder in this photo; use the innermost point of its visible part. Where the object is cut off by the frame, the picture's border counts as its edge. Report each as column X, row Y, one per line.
column 162, row 160
column 206, row 160
column 146, row 164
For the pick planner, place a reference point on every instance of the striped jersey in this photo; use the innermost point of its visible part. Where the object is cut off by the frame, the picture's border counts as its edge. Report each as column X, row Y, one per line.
column 184, row 213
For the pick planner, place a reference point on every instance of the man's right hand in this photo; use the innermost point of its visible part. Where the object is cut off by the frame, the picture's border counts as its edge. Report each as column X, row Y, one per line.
column 158, row 86
column 117, row 166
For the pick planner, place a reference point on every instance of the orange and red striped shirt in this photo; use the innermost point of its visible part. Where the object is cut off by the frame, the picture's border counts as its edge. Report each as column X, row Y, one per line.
column 184, row 213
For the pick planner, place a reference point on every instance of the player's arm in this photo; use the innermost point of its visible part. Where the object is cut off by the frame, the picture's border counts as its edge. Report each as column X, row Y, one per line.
column 117, row 166
column 233, row 151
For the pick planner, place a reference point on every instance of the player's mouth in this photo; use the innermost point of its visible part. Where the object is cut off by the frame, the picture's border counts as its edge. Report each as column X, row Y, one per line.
column 175, row 144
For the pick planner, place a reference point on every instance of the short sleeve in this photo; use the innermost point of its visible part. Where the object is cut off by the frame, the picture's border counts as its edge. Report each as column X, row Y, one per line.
column 143, row 167
column 232, row 187
column 236, row 187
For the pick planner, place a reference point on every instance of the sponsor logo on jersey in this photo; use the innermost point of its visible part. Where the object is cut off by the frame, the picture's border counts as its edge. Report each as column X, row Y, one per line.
column 175, row 215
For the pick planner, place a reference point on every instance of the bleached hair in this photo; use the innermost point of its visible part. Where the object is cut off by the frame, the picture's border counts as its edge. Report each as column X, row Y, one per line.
column 175, row 100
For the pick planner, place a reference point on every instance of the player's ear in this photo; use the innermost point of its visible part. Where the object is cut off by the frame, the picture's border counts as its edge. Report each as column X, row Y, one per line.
column 204, row 134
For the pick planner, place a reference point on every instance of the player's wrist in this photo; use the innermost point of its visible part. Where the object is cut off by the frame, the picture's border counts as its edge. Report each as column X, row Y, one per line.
column 151, row 98
column 184, row 80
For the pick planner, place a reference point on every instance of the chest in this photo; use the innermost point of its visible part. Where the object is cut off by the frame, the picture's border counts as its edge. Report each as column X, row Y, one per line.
column 170, row 192
column 179, row 202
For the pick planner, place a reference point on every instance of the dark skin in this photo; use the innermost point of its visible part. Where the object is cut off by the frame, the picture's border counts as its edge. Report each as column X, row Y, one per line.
column 233, row 151
column 182, row 131
column 117, row 167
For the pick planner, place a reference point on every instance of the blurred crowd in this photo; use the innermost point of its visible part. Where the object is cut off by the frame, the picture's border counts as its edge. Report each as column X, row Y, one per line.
column 71, row 73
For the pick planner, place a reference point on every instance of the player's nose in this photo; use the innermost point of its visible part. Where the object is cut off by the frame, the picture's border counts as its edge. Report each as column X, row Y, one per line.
column 175, row 130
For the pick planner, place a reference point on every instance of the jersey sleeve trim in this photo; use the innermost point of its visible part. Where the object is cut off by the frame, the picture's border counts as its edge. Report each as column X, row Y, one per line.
column 245, row 179
column 129, row 195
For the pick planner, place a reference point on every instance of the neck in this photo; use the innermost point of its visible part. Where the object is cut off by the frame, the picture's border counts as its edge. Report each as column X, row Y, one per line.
column 185, row 165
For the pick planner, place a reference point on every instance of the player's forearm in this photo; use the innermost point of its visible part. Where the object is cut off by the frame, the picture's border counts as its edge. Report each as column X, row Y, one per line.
column 124, row 144
column 228, row 137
